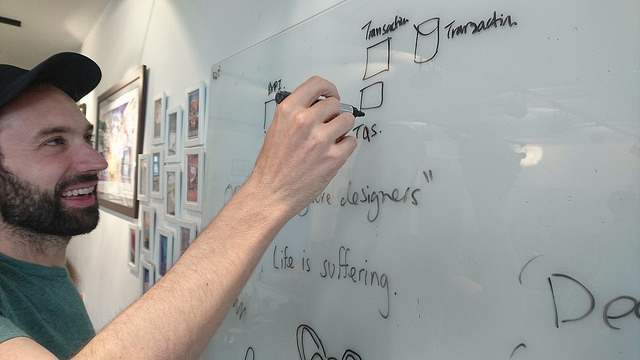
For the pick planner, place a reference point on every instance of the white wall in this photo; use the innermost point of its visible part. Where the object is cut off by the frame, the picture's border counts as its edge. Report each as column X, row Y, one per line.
column 178, row 41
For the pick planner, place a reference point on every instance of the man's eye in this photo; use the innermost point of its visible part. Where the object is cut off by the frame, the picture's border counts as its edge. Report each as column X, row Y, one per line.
column 89, row 139
column 54, row 142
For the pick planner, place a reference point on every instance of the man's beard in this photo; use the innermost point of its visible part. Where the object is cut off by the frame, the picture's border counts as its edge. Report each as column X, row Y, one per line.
column 24, row 206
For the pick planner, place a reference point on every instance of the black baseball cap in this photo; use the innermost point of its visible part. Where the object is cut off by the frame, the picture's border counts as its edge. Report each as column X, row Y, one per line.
column 73, row 73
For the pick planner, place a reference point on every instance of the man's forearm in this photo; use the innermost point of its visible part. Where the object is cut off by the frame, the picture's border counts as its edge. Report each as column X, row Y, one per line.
column 180, row 314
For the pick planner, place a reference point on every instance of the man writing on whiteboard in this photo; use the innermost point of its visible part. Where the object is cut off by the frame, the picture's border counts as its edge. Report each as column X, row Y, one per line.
column 48, row 176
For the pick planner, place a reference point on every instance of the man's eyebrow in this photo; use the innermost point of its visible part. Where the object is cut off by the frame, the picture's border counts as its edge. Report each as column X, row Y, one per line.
column 43, row 133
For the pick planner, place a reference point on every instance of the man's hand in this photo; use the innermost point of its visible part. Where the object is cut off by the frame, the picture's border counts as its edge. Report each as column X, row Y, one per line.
column 305, row 145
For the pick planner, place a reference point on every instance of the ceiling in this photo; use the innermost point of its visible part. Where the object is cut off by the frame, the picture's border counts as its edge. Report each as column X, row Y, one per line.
column 47, row 27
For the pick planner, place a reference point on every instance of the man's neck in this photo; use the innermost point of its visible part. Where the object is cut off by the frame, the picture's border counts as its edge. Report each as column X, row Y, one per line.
column 27, row 246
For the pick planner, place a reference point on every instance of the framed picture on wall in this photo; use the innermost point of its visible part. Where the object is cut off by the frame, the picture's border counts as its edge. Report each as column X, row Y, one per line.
column 164, row 253
column 159, row 118
column 147, row 276
column 173, row 135
column 157, row 163
column 186, row 233
column 193, row 178
column 134, row 248
column 147, row 230
column 144, row 176
column 172, row 188
column 119, row 136
column 194, row 118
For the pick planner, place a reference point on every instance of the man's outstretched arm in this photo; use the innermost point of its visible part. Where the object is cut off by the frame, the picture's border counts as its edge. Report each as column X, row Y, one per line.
column 303, row 150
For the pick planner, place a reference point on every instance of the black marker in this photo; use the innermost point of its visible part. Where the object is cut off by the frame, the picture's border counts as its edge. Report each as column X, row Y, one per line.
column 281, row 95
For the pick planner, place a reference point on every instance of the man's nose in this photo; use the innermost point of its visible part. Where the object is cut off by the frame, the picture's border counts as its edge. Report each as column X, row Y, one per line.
column 89, row 160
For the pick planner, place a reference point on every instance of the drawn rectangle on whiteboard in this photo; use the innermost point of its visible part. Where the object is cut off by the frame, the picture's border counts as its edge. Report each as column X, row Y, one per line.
column 269, row 109
column 372, row 96
column 377, row 59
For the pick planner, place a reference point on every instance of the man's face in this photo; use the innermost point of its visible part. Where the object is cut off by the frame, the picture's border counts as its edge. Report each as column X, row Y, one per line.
column 48, row 170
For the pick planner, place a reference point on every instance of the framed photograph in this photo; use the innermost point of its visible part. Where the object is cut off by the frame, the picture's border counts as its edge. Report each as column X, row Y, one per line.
column 147, row 230
column 157, row 163
column 119, row 136
column 172, row 192
column 173, row 132
column 134, row 248
column 159, row 116
column 193, row 178
column 186, row 233
column 194, row 118
column 164, row 254
column 144, row 176
column 147, row 276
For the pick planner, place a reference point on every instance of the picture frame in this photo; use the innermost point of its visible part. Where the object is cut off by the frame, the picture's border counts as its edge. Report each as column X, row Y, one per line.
column 119, row 137
column 164, row 253
column 157, row 164
column 147, row 276
column 193, row 182
column 173, row 135
column 144, row 176
column 134, row 248
column 194, row 116
column 187, row 232
column 171, row 179
column 147, row 230
column 159, row 109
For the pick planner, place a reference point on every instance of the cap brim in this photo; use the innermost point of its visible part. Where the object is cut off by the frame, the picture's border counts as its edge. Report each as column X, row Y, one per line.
column 73, row 73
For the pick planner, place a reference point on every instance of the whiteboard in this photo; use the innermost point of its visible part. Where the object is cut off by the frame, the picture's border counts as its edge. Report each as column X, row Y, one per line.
column 491, row 209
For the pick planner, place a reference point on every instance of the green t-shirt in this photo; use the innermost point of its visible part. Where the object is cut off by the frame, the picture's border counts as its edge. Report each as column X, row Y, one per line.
column 43, row 304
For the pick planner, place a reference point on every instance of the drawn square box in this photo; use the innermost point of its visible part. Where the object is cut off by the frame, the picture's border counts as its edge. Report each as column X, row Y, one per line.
column 269, row 109
column 377, row 59
column 372, row 96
